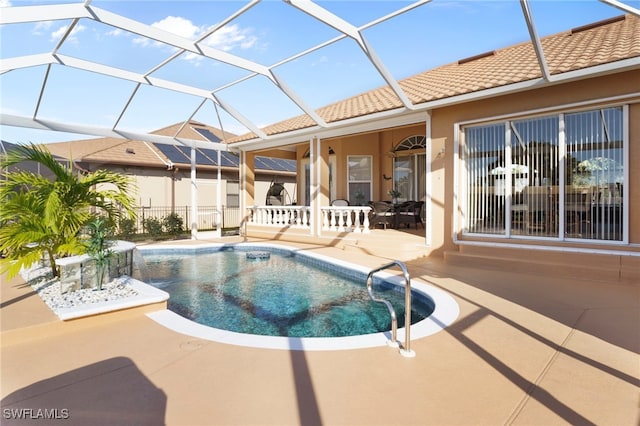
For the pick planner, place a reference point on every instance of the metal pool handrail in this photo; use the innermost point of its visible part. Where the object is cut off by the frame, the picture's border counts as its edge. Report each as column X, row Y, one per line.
column 406, row 350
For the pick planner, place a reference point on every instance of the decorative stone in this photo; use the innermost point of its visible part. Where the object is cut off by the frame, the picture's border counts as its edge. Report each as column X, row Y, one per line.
column 79, row 272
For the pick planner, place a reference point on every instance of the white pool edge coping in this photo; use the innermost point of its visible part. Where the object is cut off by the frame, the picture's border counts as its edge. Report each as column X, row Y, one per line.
column 445, row 313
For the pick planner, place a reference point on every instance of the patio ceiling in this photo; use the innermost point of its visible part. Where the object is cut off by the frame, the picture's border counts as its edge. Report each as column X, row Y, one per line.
column 212, row 100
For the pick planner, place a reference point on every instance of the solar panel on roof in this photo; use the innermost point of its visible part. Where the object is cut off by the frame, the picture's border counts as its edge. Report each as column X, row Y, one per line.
column 200, row 158
column 260, row 163
column 229, row 159
column 226, row 158
column 212, row 154
column 172, row 153
column 209, row 157
column 275, row 164
column 287, row 165
column 208, row 134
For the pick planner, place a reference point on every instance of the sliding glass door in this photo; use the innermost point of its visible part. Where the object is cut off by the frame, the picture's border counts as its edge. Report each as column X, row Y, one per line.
column 519, row 182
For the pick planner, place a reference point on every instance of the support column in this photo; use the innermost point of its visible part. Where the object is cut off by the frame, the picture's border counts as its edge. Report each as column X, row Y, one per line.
column 194, row 197
column 319, row 170
column 219, row 206
column 314, row 192
column 247, row 185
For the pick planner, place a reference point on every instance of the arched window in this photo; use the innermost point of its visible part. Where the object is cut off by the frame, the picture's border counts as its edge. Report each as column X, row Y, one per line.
column 412, row 142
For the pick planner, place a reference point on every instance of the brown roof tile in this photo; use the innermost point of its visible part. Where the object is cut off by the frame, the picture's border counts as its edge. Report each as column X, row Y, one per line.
column 109, row 151
column 131, row 152
column 601, row 43
column 188, row 131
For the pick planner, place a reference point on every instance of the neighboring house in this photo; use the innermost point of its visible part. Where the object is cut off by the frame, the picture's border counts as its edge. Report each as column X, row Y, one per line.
column 29, row 166
column 520, row 154
column 162, row 173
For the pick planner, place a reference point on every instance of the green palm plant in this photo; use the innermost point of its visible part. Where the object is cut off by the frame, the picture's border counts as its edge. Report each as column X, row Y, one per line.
column 98, row 245
column 42, row 217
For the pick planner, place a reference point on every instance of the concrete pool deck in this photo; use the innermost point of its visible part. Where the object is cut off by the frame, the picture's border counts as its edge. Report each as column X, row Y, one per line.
column 526, row 349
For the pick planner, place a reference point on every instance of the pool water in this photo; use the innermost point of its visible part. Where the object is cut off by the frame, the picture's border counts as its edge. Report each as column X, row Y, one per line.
column 285, row 295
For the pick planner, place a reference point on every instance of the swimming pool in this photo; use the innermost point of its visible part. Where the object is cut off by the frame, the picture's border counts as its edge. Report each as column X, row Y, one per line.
column 292, row 300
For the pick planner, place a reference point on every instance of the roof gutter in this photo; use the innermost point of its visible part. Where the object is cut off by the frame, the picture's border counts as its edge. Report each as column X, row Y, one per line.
column 402, row 116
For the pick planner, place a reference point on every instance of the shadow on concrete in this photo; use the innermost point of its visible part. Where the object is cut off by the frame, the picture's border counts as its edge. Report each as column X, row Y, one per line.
column 17, row 299
column 551, row 296
column 109, row 392
column 308, row 410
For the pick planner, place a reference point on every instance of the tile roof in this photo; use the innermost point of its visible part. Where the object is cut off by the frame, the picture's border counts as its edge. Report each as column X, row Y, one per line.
column 129, row 152
column 596, row 44
column 189, row 132
column 138, row 153
column 109, row 151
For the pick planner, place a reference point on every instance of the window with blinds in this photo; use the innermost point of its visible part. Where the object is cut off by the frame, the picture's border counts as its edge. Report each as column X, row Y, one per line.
column 519, row 182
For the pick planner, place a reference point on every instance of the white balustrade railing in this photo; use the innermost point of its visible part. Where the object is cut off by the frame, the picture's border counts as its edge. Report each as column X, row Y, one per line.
column 291, row 216
column 345, row 219
column 334, row 218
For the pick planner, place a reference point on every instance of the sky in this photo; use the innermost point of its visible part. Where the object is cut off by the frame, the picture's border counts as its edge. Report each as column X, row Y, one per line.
column 428, row 36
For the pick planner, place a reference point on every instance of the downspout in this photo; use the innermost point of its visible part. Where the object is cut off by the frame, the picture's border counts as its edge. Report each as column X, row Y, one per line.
column 169, row 165
column 174, row 171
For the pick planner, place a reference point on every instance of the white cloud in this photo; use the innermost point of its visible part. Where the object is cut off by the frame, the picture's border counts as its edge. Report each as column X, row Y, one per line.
column 173, row 24
column 41, row 27
column 116, row 32
column 5, row 3
column 57, row 34
column 179, row 26
column 194, row 58
column 232, row 36
column 324, row 59
column 226, row 38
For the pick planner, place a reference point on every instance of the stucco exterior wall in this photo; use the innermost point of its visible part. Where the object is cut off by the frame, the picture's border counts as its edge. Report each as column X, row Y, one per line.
column 166, row 188
column 559, row 98
column 444, row 206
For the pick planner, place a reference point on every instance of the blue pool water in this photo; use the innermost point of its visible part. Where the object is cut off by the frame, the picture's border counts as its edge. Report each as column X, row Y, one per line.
column 285, row 295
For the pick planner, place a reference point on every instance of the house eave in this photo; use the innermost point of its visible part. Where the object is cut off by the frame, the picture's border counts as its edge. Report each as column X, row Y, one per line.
column 403, row 116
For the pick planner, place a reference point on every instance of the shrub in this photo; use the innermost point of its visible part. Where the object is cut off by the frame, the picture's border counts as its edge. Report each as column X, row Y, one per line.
column 173, row 224
column 152, row 226
column 126, row 227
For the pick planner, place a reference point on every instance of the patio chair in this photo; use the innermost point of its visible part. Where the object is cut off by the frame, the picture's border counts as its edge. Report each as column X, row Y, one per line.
column 520, row 213
column 340, row 202
column 537, row 209
column 382, row 214
column 577, row 212
column 410, row 213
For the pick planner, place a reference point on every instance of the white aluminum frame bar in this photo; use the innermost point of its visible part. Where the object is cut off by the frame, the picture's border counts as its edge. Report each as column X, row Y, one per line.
column 535, row 40
column 351, row 31
column 622, row 6
column 84, row 10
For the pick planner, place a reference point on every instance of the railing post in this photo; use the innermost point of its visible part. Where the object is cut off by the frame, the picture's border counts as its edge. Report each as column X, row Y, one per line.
column 406, row 350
